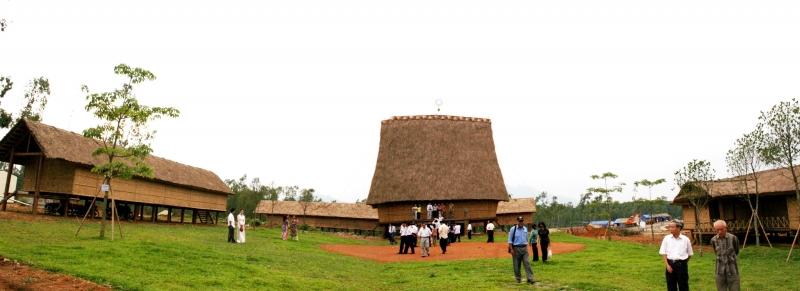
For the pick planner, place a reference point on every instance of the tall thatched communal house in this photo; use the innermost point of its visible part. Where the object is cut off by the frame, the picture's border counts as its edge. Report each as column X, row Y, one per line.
column 355, row 217
column 778, row 208
column 436, row 159
column 58, row 167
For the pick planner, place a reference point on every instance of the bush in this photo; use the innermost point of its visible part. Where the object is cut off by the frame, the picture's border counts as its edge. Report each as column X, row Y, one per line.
column 257, row 222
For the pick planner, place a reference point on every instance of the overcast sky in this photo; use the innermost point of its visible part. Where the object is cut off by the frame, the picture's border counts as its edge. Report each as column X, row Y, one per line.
column 294, row 91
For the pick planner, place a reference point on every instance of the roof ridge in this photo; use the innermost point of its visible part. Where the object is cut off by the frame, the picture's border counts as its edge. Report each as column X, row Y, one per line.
column 436, row 117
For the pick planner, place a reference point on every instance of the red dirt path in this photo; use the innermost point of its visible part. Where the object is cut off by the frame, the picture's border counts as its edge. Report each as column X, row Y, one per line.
column 15, row 276
column 456, row 251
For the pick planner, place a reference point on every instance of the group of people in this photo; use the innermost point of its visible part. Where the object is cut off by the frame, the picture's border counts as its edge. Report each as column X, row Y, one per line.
column 236, row 223
column 433, row 210
column 289, row 227
column 518, row 241
column 676, row 251
column 425, row 235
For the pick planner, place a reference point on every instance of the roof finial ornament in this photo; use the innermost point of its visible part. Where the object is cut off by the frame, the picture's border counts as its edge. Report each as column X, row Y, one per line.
column 439, row 103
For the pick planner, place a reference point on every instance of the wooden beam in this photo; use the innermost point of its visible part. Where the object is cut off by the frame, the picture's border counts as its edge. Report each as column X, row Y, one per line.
column 8, row 179
column 154, row 211
column 169, row 214
column 35, row 204
column 182, row 209
column 28, row 154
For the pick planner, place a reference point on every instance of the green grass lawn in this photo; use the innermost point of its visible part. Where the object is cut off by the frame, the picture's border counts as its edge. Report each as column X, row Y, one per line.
column 158, row 257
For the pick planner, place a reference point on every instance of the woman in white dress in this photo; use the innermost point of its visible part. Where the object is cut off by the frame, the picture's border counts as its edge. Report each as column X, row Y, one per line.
column 240, row 223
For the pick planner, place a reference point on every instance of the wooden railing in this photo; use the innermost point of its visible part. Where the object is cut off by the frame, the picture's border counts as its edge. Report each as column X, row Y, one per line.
column 773, row 223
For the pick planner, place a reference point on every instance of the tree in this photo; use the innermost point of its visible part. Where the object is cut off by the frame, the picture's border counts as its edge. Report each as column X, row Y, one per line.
column 781, row 126
column 5, row 117
column 290, row 193
column 605, row 194
column 123, row 137
column 306, row 199
column 35, row 99
column 3, row 24
column 695, row 181
column 744, row 161
column 649, row 184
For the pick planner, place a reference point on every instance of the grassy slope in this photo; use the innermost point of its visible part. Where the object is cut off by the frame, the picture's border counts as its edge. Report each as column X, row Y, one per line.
column 191, row 257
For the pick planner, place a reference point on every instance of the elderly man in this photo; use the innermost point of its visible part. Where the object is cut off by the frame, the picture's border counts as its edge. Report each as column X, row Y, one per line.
column 676, row 249
column 726, row 246
column 518, row 248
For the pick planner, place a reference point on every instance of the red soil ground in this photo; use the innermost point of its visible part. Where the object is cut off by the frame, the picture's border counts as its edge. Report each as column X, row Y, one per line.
column 15, row 276
column 456, row 251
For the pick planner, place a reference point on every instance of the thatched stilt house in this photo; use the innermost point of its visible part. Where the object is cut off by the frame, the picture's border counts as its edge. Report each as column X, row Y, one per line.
column 58, row 167
column 355, row 217
column 778, row 208
column 437, row 159
column 507, row 212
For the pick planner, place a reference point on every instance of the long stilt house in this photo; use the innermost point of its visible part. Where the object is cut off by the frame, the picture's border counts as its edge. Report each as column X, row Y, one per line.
column 727, row 200
column 58, row 168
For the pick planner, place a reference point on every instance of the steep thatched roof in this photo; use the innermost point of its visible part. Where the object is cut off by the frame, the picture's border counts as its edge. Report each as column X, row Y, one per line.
column 435, row 158
column 323, row 209
column 517, row 205
column 57, row 143
column 770, row 182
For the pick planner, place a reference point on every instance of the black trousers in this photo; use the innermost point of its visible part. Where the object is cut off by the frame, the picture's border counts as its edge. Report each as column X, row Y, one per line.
column 490, row 234
column 412, row 242
column 403, row 246
column 544, row 245
column 679, row 278
column 535, row 252
column 458, row 237
column 230, row 234
column 443, row 245
column 469, row 234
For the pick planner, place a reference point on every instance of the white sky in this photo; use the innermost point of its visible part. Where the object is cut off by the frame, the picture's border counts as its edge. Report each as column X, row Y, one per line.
column 294, row 91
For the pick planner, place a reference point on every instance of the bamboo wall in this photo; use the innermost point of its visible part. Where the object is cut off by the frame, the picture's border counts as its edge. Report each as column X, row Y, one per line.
column 64, row 177
column 688, row 217
column 57, row 176
column 511, row 218
column 329, row 222
column 401, row 212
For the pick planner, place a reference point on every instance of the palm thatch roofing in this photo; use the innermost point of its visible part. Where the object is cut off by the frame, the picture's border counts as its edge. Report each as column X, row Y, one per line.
column 770, row 182
column 436, row 158
column 321, row 209
column 65, row 145
column 516, row 205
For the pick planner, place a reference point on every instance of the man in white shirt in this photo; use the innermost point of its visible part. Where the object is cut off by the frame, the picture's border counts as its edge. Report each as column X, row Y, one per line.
column 469, row 231
column 676, row 249
column 403, row 239
column 429, row 209
column 443, row 230
column 231, row 226
column 412, row 237
column 490, row 232
column 425, row 240
column 458, row 232
column 392, row 230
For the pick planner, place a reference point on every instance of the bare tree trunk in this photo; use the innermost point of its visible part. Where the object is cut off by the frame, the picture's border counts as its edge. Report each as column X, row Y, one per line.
column 103, row 212
column 697, row 227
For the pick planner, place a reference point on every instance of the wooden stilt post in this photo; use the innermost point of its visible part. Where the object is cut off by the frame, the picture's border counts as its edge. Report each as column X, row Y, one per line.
column 793, row 243
column 65, row 205
column 154, row 212
column 169, row 214
column 116, row 214
column 35, row 204
column 194, row 216
column 182, row 209
column 8, row 179
column 141, row 212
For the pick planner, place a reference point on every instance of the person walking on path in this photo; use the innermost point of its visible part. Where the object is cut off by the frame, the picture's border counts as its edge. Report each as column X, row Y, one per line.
column 544, row 241
column 676, row 250
column 443, row 230
column 412, row 237
column 534, row 241
column 726, row 246
column 469, row 231
column 231, row 226
column 293, row 228
column 458, row 232
column 518, row 248
column 285, row 227
column 429, row 210
column 240, row 225
column 425, row 240
column 490, row 232
column 390, row 234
